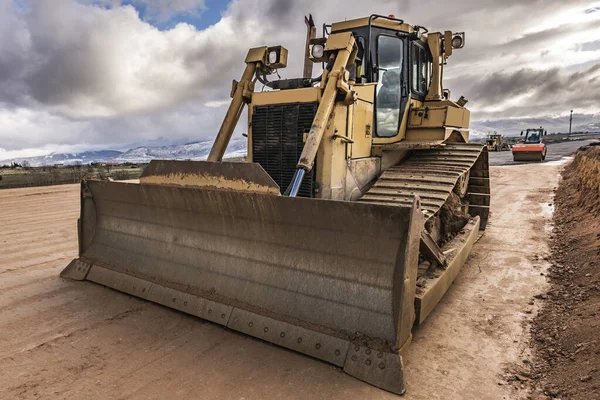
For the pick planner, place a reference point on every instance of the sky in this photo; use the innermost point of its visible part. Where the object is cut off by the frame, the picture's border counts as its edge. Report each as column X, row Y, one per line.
column 81, row 75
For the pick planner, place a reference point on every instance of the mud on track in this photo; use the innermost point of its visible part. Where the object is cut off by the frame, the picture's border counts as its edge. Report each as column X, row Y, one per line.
column 63, row 339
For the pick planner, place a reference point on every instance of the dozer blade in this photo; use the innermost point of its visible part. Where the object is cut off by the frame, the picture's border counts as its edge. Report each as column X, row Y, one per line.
column 334, row 280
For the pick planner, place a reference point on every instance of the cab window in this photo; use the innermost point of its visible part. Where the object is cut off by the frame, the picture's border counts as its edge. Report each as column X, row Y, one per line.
column 390, row 55
column 360, row 60
column 420, row 70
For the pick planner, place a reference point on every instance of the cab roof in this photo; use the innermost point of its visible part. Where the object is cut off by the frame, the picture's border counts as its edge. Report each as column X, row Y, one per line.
column 376, row 20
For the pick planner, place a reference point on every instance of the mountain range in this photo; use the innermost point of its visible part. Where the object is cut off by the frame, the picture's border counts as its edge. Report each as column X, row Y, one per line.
column 142, row 154
column 237, row 146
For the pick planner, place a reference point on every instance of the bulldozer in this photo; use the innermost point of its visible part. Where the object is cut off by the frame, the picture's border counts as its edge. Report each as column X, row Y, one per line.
column 496, row 142
column 359, row 203
column 532, row 148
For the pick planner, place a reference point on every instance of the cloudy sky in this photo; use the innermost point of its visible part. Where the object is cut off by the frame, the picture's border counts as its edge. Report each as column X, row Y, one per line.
column 97, row 74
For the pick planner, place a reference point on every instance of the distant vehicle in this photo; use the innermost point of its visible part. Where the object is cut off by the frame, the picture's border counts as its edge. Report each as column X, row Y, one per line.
column 496, row 142
column 532, row 148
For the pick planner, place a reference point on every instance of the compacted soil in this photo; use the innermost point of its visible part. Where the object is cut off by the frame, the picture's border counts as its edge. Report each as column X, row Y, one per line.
column 61, row 339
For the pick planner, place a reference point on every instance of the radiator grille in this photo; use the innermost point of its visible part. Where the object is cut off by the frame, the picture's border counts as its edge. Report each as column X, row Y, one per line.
column 277, row 141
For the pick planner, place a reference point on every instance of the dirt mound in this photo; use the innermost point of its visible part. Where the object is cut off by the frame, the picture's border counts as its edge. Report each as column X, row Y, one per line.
column 583, row 178
column 566, row 333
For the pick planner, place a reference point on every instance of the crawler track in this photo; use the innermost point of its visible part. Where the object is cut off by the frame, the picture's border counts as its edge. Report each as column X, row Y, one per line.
column 432, row 175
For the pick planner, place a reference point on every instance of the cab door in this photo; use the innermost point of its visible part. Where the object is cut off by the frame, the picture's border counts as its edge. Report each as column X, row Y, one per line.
column 391, row 95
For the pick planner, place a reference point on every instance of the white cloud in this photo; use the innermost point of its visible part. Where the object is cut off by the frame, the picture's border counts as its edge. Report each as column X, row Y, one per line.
column 92, row 73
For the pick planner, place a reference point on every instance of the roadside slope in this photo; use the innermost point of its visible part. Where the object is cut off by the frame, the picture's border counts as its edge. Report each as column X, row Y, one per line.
column 567, row 330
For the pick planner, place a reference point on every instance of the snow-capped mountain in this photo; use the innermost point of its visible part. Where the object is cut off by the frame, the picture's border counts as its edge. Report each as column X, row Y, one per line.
column 188, row 151
column 85, row 157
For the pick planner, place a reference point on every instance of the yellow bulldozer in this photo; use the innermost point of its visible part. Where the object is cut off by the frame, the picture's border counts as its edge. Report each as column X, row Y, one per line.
column 359, row 202
column 496, row 142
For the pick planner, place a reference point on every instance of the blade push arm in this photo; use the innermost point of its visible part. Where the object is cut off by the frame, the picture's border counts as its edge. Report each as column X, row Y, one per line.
column 341, row 46
column 257, row 61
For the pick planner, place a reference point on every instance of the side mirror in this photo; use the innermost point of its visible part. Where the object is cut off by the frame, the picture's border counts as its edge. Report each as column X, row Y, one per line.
column 545, row 133
column 521, row 133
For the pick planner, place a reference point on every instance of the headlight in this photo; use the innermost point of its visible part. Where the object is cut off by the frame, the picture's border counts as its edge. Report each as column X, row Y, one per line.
column 317, row 51
column 273, row 56
column 458, row 41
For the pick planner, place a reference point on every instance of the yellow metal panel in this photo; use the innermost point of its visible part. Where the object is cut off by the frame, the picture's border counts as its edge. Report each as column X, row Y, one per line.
column 331, row 157
column 256, row 54
column 426, row 134
column 448, row 134
column 338, row 41
column 360, row 121
column 416, row 117
column 365, row 91
column 433, row 117
column 435, row 114
column 361, row 129
column 303, row 95
column 458, row 117
column 448, row 43
column 379, row 22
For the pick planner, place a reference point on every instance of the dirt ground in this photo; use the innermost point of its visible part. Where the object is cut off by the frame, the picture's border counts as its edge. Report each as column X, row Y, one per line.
column 64, row 339
column 567, row 330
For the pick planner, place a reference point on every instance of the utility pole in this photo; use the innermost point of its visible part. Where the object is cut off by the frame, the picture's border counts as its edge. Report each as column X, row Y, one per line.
column 570, row 122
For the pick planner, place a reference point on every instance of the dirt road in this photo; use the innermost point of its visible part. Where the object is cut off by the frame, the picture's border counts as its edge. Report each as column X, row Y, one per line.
column 63, row 339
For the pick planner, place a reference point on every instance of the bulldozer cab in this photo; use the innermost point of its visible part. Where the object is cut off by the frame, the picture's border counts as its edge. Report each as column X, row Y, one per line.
column 393, row 55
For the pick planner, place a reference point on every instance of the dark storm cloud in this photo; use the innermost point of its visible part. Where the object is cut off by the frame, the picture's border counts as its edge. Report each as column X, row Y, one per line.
column 280, row 10
column 71, row 72
column 547, row 36
column 68, row 70
column 548, row 91
column 89, row 62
